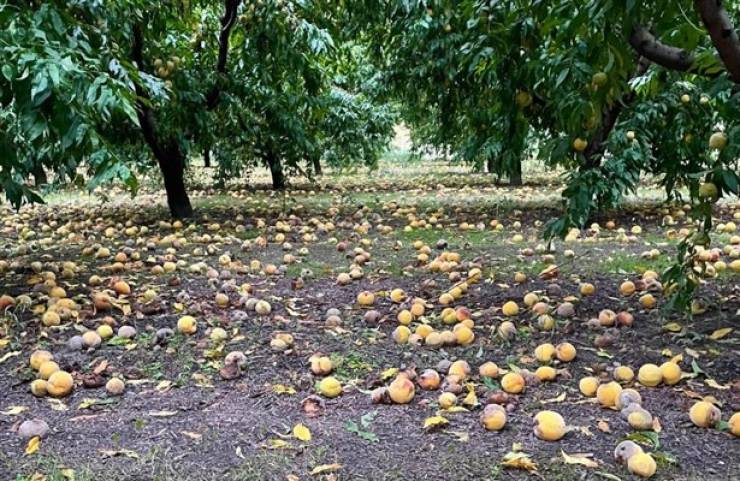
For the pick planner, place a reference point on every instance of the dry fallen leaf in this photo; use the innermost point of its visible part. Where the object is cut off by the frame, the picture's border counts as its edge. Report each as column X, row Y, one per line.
column 33, row 445
column 14, row 410
column 162, row 414
column 583, row 459
column 603, row 426
column 672, row 327
column 326, row 468
column 714, row 384
column 282, row 389
column 192, row 435
column 435, row 422
column 720, row 333
column 110, row 453
column 301, row 432
column 519, row 461
column 557, row 399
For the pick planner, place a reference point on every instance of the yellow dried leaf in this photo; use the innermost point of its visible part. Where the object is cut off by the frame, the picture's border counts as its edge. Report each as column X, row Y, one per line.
column 164, row 386
column 14, row 410
column 673, row 327
column 678, row 358
column 583, row 459
column 33, row 445
column 8, row 355
column 389, row 373
column 656, row 425
column 692, row 353
column 4, row 342
column 455, row 409
column 282, row 389
column 666, row 352
column 277, row 444
column 519, row 461
column 715, row 384
column 720, row 333
column 557, row 399
column 301, row 432
column 435, row 421
column 326, row 468
column 68, row 473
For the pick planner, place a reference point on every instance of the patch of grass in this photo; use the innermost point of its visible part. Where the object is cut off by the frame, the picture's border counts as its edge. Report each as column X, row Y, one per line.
column 351, row 365
column 626, row 263
column 52, row 468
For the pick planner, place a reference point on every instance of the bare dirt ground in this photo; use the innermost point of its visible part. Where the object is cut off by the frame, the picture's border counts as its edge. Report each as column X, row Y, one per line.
column 179, row 418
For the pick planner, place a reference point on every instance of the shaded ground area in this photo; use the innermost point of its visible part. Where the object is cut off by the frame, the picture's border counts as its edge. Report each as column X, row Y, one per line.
column 179, row 419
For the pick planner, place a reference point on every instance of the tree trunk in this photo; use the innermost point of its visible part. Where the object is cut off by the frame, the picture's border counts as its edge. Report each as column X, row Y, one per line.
column 491, row 165
column 276, row 170
column 597, row 144
column 723, row 33
column 207, row 157
column 172, row 165
column 515, row 177
column 317, row 166
column 39, row 175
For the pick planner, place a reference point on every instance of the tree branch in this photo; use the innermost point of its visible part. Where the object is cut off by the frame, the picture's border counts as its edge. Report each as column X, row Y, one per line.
column 227, row 24
column 597, row 145
column 144, row 112
column 654, row 50
column 723, row 34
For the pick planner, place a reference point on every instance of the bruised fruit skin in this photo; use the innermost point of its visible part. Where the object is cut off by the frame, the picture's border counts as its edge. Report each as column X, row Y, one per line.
column 513, row 383
column 187, row 325
column 330, row 387
column 705, row 414
column 625, row 450
column 510, row 309
column 460, row 368
column 115, row 386
column 38, row 387
column 47, row 369
column 429, row 380
column 39, row 357
column 91, row 339
column 321, row 365
column 446, row 400
column 734, row 424
column 640, row 419
column 649, row 375
column 546, row 373
column 544, row 352
column 627, row 397
column 493, row 417
column 488, row 369
column 624, row 374
column 60, row 384
column 642, row 465
column 401, row 334
column 366, row 298
column 549, row 426
column 671, row 372
column 401, row 390
column 588, row 386
column 607, row 394
column 565, row 352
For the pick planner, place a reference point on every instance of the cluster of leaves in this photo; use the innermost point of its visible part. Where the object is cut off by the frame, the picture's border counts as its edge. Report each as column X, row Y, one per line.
column 92, row 86
column 61, row 81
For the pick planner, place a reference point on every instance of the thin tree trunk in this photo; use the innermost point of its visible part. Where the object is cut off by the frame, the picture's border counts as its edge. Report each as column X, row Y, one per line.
column 39, row 175
column 207, row 157
column 276, row 170
column 515, row 177
column 491, row 165
column 317, row 166
column 172, row 165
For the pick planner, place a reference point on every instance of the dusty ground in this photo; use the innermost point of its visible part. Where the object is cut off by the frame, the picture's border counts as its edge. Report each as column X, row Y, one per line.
column 178, row 418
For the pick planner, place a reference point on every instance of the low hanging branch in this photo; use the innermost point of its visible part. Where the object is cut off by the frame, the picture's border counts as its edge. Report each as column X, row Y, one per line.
column 654, row 50
column 723, row 34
